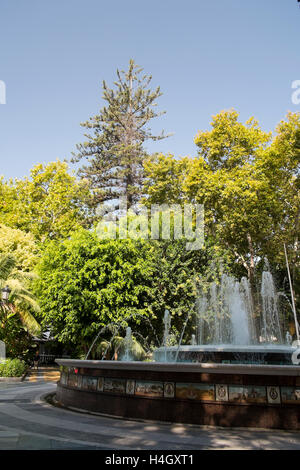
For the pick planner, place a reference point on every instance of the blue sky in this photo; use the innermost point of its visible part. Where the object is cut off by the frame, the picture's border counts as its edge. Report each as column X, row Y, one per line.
column 206, row 56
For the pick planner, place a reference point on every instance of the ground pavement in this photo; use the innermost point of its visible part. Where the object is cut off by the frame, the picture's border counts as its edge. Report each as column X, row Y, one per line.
column 28, row 422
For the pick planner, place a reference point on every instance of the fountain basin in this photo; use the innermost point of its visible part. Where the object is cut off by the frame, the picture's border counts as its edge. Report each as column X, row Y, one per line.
column 244, row 395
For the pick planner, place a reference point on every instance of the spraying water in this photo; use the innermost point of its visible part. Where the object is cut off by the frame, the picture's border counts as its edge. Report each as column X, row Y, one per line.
column 128, row 345
column 223, row 316
column 270, row 314
column 238, row 313
column 226, row 317
column 226, row 314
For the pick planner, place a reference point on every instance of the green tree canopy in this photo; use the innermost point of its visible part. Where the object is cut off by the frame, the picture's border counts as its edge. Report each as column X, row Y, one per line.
column 50, row 204
column 248, row 183
column 230, row 143
column 86, row 283
column 21, row 245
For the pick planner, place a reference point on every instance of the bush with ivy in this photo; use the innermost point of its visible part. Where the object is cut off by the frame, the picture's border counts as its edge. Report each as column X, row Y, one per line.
column 12, row 368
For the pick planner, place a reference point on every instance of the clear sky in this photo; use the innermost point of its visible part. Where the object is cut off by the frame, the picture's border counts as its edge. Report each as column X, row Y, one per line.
column 207, row 55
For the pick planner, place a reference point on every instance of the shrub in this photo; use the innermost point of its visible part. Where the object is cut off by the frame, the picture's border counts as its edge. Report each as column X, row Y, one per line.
column 12, row 368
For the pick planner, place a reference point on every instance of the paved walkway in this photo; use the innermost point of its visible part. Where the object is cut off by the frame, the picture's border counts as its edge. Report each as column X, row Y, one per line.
column 27, row 422
column 44, row 374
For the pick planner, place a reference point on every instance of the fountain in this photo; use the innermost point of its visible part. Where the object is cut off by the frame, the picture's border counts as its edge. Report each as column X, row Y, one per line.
column 226, row 327
column 235, row 370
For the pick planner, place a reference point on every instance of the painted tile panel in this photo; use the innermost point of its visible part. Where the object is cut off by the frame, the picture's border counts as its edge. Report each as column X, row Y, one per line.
column 247, row 394
column 149, row 389
column 290, row 395
column 193, row 391
column 72, row 380
column 89, row 383
column 114, row 385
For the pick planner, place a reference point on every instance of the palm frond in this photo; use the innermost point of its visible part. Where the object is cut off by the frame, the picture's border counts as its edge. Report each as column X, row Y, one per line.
column 23, row 276
column 7, row 264
column 28, row 301
column 21, row 301
column 31, row 324
column 100, row 349
column 136, row 349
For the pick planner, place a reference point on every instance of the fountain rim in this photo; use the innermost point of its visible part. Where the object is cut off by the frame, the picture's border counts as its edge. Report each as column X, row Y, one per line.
column 235, row 348
column 207, row 368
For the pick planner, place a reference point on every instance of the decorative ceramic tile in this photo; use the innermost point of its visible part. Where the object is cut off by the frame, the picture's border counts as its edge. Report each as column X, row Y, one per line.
column 256, row 394
column 290, row 395
column 193, row 391
column 89, row 383
column 169, row 390
column 100, row 384
column 235, row 393
column 247, row 394
column 64, row 378
column 130, row 386
column 79, row 381
column 273, row 394
column 72, row 380
column 114, row 385
column 149, row 389
column 221, row 392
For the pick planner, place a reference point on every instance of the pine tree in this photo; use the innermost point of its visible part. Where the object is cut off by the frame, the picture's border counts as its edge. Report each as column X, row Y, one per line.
column 114, row 148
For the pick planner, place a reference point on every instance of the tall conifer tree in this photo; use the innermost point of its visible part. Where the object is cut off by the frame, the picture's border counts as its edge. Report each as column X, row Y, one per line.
column 114, row 148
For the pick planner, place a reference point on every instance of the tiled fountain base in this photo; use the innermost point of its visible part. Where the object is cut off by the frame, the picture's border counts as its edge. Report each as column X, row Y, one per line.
column 207, row 394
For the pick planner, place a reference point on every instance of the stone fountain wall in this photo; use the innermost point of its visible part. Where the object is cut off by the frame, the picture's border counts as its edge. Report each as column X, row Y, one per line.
column 219, row 395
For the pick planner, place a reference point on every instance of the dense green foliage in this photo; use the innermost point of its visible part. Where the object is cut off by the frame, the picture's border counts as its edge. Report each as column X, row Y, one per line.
column 85, row 284
column 12, row 368
column 17, row 339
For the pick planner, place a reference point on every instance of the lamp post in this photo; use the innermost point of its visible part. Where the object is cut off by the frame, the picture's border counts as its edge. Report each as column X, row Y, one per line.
column 4, row 298
column 5, row 294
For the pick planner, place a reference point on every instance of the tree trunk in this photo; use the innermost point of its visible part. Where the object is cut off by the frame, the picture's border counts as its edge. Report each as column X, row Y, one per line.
column 251, row 273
